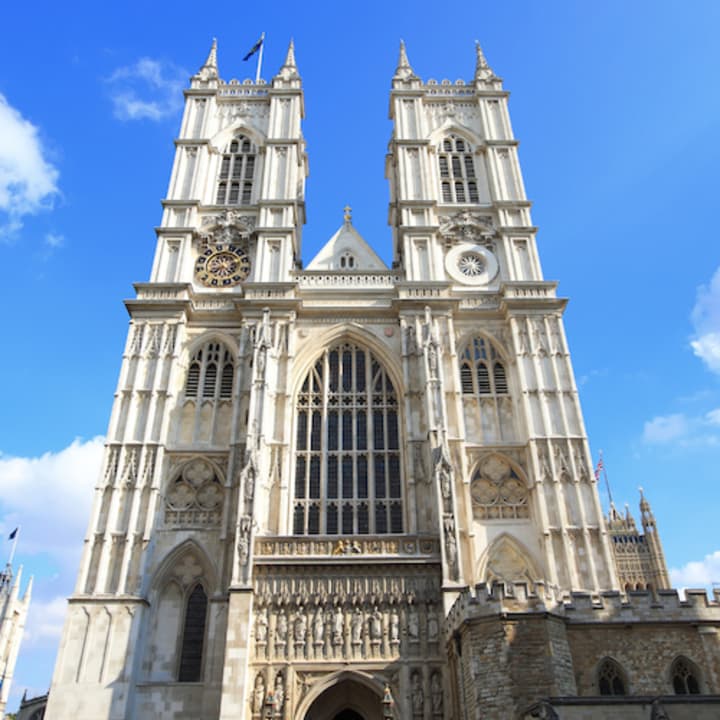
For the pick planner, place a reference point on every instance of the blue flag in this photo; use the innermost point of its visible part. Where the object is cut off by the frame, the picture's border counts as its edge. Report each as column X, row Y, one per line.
column 13, row 534
column 254, row 49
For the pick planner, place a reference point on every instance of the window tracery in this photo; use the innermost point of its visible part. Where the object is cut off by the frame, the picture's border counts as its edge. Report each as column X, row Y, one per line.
column 195, row 496
column 486, row 392
column 347, row 456
column 685, row 679
column 237, row 172
column 611, row 679
column 458, row 181
column 498, row 492
column 210, row 375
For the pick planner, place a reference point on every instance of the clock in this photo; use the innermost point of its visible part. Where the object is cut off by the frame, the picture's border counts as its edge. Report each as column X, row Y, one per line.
column 222, row 265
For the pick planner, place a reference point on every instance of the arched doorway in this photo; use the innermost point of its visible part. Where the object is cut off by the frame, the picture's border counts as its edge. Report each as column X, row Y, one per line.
column 346, row 700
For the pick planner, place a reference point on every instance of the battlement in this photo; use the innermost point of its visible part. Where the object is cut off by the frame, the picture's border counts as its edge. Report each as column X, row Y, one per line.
column 642, row 606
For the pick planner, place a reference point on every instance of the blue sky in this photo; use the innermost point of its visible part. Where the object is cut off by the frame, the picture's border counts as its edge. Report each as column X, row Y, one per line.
column 617, row 109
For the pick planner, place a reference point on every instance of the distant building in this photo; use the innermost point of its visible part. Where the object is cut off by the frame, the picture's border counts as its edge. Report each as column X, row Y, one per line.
column 32, row 708
column 353, row 491
column 13, row 611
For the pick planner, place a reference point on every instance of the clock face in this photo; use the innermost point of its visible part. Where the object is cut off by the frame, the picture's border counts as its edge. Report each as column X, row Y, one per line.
column 471, row 264
column 222, row 266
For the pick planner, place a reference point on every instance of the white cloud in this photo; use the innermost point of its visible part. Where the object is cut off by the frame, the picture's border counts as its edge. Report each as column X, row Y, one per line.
column 44, row 621
column 706, row 322
column 698, row 573
column 53, row 240
column 28, row 182
column 149, row 89
column 665, row 428
column 50, row 497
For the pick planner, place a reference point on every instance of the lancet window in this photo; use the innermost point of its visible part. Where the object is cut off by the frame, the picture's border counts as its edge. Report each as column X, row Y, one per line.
column 193, row 636
column 348, row 477
column 482, row 371
column 211, row 371
column 237, row 172
column 458, row 181
column 611, row 679
column 684, row 677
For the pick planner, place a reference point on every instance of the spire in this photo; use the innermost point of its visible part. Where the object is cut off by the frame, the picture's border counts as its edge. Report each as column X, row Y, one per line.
column 482, row 69
column 290, row 57
column 210, row 68
column 404, row 71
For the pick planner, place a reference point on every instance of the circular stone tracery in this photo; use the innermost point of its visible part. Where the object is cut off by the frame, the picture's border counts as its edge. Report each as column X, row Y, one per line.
column 471, row 264
column 497, row 492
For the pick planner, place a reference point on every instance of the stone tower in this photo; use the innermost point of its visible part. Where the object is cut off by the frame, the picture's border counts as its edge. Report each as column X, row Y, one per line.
column 13, row 612
column 308, row 469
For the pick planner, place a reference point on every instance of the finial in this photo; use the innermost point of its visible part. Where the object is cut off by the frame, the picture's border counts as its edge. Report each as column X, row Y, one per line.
column 290, row 57
column 482, row 69
column 403, row 70
column 211, row 62
column 348, row 214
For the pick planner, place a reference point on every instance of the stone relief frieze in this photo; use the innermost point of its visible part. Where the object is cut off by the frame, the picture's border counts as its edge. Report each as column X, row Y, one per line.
column 468, row 227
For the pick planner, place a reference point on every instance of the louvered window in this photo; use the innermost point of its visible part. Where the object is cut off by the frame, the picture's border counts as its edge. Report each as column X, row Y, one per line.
column 481, row 370
column 456, row 165
column 203, row 373
column 237, row 172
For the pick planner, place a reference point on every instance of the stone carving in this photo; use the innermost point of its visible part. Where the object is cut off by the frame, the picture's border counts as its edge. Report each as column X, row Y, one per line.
column 281, row 631
column 279, row 695
column 467, row 227
column 154, row 340
column 338, row 626
column 359, row 546
column 137, row 340
column 523, row 338
column 539, row 337
column 188, row 569
column 394, row 627
column 300, row 628
column 417, row 695
column 195, row 496
column 450, row 546
column 261, row 628
column 436, row 693
column 433, row 626
column 556, row 343
column 413, row 625
column 244, row 540
column 497, row 492
column 258, row 696
column 542, row 710
column 376, row 627
column 319, row 626
column 227, row 228
column 356, row 627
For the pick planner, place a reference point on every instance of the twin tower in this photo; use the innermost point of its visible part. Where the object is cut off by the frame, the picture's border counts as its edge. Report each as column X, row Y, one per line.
column 351, row 491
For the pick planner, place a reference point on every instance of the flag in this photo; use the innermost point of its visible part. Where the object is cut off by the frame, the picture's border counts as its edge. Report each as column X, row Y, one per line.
column 600, row 466
column 13, row 534
column 254, row 48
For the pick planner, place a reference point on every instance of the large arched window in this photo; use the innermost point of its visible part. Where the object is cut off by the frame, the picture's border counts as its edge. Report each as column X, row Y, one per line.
column 611, row 679
column 237, row 171
column 347, row 453
column 458, row 182
column 210, row 375
column 193, row 636
column 685, row 677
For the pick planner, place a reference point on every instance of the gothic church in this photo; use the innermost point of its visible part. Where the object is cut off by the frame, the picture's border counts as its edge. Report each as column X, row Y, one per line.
column 351, row 492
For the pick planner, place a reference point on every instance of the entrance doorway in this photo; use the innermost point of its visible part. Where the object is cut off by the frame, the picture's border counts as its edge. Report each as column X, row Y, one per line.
column 347, row 699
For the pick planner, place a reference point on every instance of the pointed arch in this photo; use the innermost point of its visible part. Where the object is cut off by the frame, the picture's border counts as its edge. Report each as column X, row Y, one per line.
column 375, row 687
column 348, row 476
column 450, row 127
column 220, row 141
column 507, row 560
column 611, row 678
column 345, row 332
column 165, row 571
column 685, row 677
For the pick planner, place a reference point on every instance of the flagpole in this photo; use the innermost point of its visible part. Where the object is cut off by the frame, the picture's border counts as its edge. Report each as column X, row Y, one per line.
column 607, row 482
column 259, row 62
column 14, row 545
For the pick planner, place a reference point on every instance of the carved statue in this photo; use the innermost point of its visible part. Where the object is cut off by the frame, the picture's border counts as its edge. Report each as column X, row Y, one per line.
column 279, row 694
column 413, row 624
column 338, row 625
column 376, row 626
column 433, row 628
column 357, row 626
column 394, row 626
column 281, row 629
column 319, row 626
column 418, row 696
column 258, row 694
column 244, row 541
column 436, row 694
column 300, row 627
column 261, row 627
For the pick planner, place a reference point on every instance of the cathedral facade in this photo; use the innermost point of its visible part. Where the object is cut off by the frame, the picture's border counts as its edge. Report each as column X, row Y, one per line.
column 356, row 491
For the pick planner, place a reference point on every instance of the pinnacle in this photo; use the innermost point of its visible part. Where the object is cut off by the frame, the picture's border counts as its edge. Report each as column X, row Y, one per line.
column 403, row 70
column 482, row 69
column 211, row 62
column 290, row 57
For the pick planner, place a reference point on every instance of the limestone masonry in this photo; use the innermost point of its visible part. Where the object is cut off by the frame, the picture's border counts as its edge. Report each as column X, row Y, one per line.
column 351, row 491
